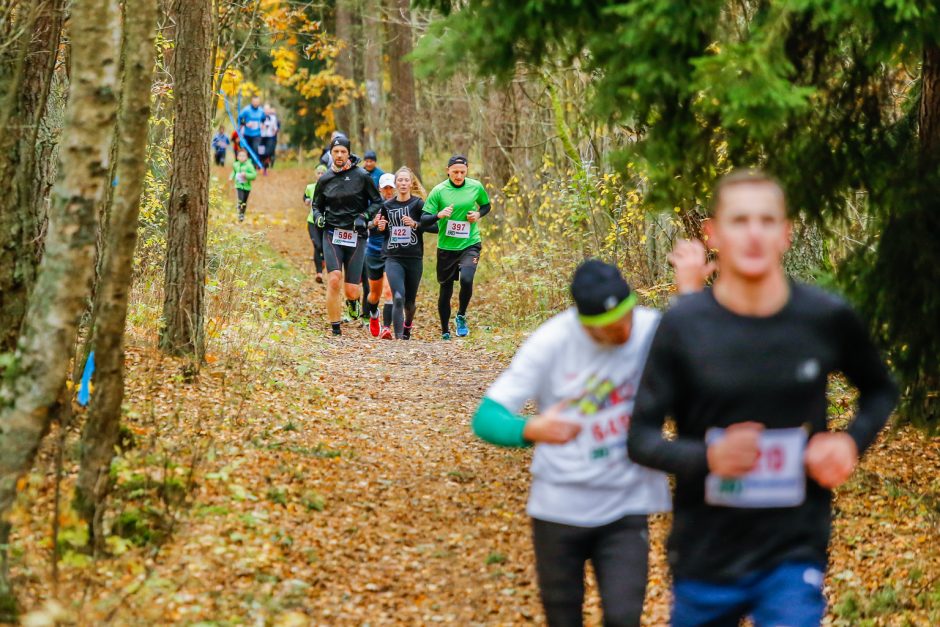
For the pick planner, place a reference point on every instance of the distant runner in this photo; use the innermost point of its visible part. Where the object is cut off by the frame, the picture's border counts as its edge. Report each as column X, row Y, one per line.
column 243, row 173
column 742, row 369
column 456, row 205
column 400, row 222
column 315, row 232
column 270, row 127
column 375, row 268
column 370, row 165
column 344, row 202
column 587, row 500
column 220, row 144
column 250, row 118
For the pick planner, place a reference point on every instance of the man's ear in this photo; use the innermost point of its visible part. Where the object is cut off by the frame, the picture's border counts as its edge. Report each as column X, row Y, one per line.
column 789, row 235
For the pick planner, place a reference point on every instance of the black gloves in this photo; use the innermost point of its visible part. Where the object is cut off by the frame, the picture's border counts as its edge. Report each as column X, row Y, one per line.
column 319, row 219
column 361, row 225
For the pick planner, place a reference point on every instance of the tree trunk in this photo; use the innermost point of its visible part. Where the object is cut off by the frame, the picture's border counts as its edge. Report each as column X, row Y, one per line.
column 110, row 312
column 63, row 280
column 345, row 67
column 929, row 112
column 499, row 135
column 403, row 111
column 187, row 211
column 370, row 43
column 28, row 79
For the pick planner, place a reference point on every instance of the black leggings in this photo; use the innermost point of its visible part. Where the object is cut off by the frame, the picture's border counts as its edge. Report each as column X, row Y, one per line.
column 316, row 236
column 619, row 552
column 242, row 199
column 463, row 298
column 404, row 277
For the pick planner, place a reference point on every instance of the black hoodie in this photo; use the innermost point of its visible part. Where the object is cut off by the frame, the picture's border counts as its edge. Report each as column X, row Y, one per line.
column 341, row 197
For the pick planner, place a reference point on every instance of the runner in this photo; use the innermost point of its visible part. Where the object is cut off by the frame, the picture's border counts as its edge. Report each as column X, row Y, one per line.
column 375, row 267
column 456, row 205
column 243, row 173
column 370, row 165
column 220, row 143
column 236, row 143
column 399, row 220
column 249, row 120
column 587, row 500
column 316, row 233
column 344, row 201
column 270, row 127
column 742, row 370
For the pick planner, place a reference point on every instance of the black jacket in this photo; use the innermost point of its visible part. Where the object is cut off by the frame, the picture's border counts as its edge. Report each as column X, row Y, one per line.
column 341, row 197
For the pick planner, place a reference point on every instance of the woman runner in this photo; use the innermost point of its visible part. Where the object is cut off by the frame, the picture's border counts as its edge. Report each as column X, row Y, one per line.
column 400, row 220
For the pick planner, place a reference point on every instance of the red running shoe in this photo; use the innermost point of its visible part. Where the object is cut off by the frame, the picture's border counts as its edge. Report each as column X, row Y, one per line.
column 374, row 326
column 386, row 333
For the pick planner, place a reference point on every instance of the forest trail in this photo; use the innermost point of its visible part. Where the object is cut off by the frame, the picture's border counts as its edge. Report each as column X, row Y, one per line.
column 421, row 523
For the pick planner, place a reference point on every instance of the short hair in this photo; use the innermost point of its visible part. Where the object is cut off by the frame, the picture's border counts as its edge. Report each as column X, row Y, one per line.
column 740, row 177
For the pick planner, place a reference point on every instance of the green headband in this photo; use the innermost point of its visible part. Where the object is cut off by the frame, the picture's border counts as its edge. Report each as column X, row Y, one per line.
column 609, row 317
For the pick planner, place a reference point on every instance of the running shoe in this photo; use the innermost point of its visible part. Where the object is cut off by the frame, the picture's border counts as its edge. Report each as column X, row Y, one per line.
column 406, row 333
column 241, row 217
column 374, row 327
column 445, row 336
column 319, row 278
column 352, row 310
column 386, row 333
column 462, row 329
column 337, row 331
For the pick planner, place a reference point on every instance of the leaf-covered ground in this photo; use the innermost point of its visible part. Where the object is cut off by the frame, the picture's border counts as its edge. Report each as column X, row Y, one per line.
column 308, row 480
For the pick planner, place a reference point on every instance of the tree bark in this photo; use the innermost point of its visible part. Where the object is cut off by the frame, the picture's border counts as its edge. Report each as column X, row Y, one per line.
column 187, row 211
column 929, row 111
column 370, row 43
column 345, row 67
column 403, row 110
column 110, row 312
column 36, row 377
column 499, row 135
column 29, row 79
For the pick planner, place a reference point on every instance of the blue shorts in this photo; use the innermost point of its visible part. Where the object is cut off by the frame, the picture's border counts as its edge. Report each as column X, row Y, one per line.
column 789, row 595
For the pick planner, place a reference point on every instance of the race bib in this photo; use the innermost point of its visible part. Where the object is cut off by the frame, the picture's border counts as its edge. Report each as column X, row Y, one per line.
column 253, row 124
column 778, row 479
column 345, row 237
column 458, row 228
column 261, row 148
column 400, row 235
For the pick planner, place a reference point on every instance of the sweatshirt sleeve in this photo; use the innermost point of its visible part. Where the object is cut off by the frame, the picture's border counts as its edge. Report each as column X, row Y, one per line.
column 646, row 444
column 864, row 368
column 497, row 425
column 375, row 198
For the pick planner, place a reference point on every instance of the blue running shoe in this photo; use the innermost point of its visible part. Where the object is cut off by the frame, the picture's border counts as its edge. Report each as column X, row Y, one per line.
column 445, row 336
column 462, row 329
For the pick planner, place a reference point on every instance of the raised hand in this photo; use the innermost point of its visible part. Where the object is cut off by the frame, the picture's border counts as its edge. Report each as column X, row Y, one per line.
column 551, row 427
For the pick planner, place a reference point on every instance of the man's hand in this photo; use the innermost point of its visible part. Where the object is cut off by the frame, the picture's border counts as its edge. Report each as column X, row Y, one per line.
column 446, row 212
column 380, row 222
column 736, row 453
column 830, row 458
column 473, row 216
column 409, row 221
column 319, row 219
column 361, row 224
column 689, row 259
column 550, row 427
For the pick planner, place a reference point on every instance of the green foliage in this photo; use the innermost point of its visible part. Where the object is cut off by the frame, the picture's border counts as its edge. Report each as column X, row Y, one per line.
column 823, row 94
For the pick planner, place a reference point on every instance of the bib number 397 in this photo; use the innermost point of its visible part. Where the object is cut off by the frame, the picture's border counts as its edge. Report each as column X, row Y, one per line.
column 778, row 479
column 458, row 228
column 345, row 237
column 400, row 235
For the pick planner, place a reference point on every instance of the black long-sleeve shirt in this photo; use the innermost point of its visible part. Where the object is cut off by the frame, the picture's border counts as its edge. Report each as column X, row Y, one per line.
column 709, row 367
column 343, row 196
column 394, row 210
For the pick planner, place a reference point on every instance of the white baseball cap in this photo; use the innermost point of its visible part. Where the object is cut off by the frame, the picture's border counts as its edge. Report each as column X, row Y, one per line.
column 387, row 180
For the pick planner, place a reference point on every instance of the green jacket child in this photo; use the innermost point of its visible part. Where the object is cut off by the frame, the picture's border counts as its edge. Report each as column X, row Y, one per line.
column 246, row 168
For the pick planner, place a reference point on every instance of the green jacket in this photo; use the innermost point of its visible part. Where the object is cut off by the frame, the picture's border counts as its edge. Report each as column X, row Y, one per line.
column 250, row 174
column 308, row 195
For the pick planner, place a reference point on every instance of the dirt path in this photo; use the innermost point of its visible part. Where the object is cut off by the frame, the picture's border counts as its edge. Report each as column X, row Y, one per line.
column 420, row 522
